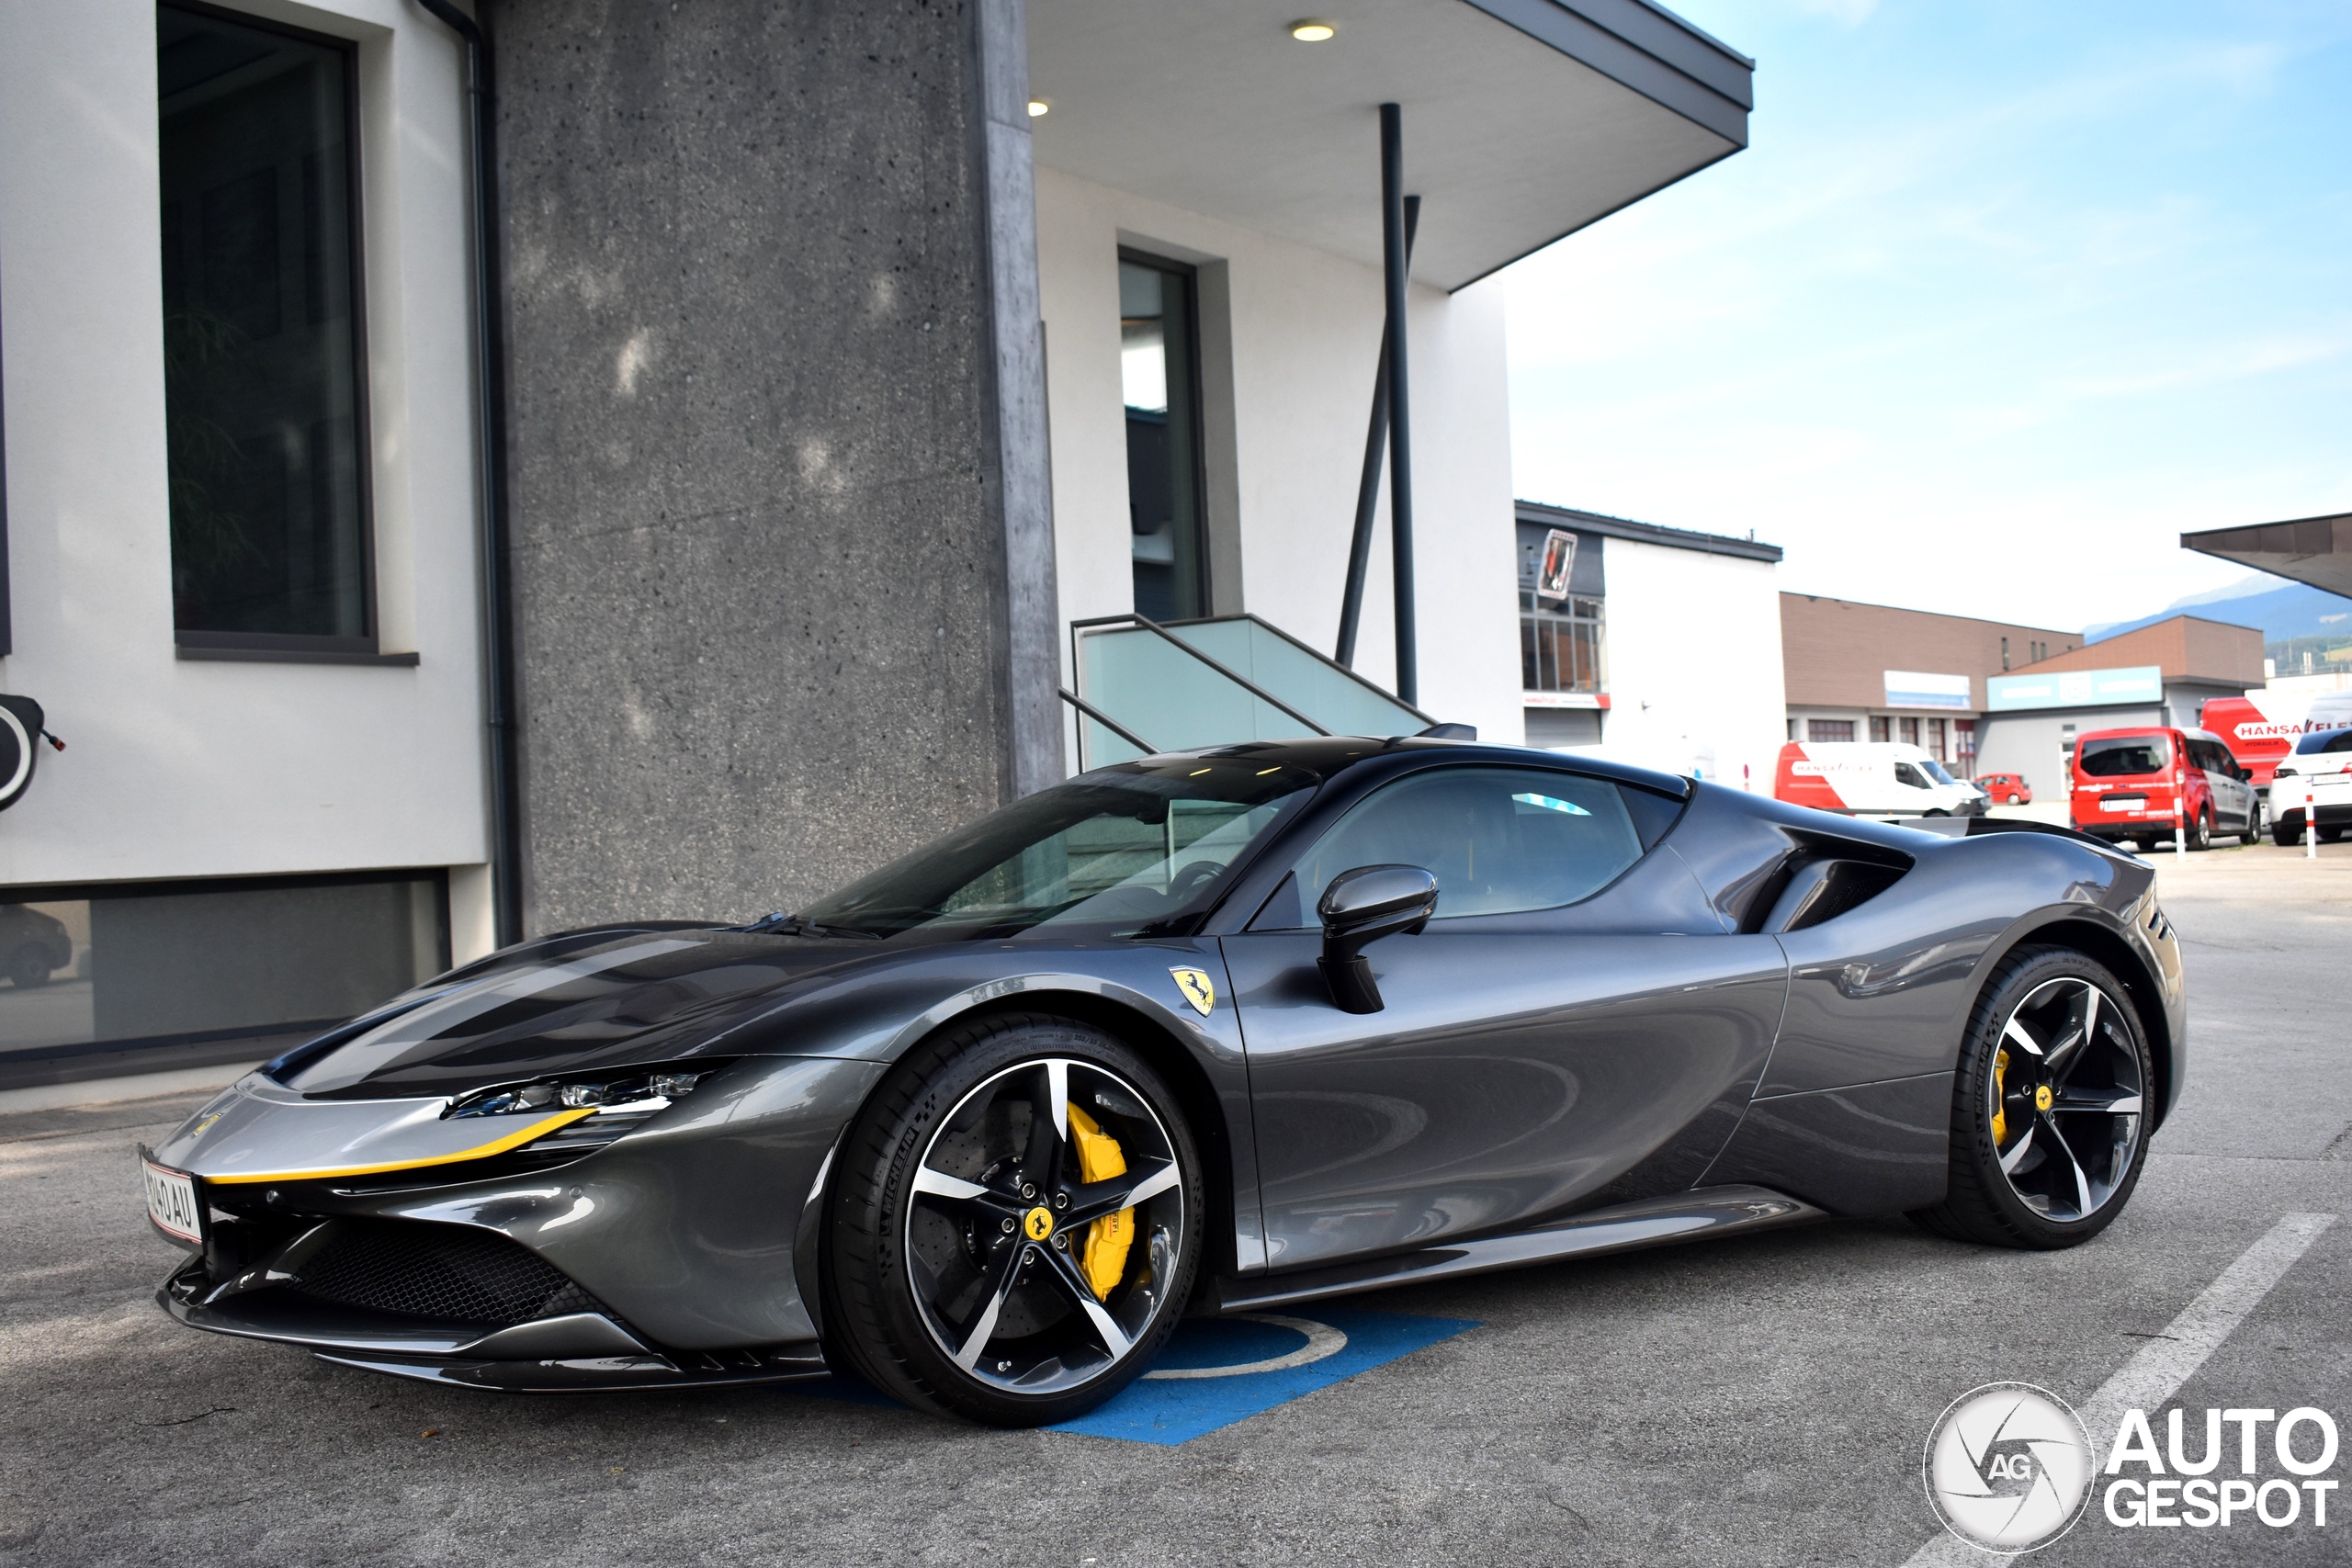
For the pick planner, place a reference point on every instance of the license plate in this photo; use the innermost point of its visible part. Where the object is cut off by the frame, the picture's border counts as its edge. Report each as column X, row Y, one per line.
column 171, row 1204
column 2124, row 802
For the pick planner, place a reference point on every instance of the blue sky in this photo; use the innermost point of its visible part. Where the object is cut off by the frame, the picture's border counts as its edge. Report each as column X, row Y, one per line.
column 2001, row 297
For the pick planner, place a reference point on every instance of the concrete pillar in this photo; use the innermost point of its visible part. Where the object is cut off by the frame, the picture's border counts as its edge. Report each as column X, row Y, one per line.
column 776, row 449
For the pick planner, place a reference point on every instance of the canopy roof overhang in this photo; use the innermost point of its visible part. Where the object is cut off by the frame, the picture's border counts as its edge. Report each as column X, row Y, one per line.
column 2317, row 550
column 1523, row 119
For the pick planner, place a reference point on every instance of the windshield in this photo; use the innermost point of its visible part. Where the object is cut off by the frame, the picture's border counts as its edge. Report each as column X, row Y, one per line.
column 1935, row 771
column 2325, row 740
column 1136, row 848
column 2124, row 756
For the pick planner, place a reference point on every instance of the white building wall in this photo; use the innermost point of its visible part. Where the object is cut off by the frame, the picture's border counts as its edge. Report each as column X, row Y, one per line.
column 185, row 769
column 1694, row 662
column 1290, row 340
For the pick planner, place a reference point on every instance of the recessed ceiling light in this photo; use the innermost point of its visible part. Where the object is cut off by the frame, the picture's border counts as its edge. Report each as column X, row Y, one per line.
column 1312, row 31
column 1037, row 106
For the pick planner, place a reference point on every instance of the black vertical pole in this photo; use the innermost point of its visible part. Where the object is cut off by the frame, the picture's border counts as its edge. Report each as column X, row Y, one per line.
column 1400, row 418
column 1375, row 443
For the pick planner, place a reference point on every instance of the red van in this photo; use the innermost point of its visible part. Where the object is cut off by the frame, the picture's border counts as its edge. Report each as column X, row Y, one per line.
column 2132, row 786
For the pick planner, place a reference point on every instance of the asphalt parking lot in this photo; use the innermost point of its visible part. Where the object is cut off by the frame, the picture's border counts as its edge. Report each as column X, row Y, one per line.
column 1761, row 1401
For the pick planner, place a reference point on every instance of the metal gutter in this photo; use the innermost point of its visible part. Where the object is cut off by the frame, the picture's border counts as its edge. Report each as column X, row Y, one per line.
column 1536, row 512
column 490, row 391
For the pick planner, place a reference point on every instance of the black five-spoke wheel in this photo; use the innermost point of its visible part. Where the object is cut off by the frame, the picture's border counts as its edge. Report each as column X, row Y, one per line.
column 2051, row 1107
column 2066, row 1100
column 1014, row 1229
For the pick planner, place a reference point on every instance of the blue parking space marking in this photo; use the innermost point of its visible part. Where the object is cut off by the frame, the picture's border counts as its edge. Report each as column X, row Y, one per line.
column 1218, row 1371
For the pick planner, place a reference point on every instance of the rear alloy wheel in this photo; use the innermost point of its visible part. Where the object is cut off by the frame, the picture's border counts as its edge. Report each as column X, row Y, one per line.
column 2049, row 1107
column 1014, row 1229
column 2201, row 836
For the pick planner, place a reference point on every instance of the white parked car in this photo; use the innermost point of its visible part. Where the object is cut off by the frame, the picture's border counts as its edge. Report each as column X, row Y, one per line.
column 2319, row 769
column 1872, row 778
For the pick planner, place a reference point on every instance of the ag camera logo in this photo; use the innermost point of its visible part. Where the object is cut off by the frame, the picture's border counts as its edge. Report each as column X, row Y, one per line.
column 2009, row 1467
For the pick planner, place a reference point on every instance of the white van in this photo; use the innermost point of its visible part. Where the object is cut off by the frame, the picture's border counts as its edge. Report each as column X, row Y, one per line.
column 1872, row 778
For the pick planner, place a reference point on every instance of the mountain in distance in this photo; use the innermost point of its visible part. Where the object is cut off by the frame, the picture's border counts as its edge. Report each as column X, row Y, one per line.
column 2280, row 610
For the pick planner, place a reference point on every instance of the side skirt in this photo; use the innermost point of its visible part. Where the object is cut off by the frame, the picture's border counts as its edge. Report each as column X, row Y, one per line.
column 1703, row 1211
column 605, row 1374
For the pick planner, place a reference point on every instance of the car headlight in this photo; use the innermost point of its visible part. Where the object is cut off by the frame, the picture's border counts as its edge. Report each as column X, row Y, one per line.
column 638, row 1088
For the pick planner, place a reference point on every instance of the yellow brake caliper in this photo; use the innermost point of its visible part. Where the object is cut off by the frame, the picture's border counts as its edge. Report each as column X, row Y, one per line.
column 2000, row 1099
column 1104, row 1259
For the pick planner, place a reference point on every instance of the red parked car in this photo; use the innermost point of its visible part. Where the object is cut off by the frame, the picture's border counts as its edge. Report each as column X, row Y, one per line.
column 2133, row 785
column 2006, row 789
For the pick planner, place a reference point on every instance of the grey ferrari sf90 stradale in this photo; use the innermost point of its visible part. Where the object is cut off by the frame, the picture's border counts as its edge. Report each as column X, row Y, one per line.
column 1207, row 1033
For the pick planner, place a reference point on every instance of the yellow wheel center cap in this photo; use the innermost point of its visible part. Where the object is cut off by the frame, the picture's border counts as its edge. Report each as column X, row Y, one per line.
column 1038, row 1223
column 2042, row 1097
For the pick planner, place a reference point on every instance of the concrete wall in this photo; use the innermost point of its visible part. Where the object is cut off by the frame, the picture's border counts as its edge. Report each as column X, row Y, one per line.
column 2188, row 646
column 760, row 544
column 179, row 768
column 1837, row 652
column 1291, row 337
column 1694, row 661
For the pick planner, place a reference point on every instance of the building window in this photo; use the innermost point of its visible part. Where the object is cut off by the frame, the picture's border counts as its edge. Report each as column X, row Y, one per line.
column 1560, row 645
column 1882, row 728
column 1908, row 730
column 1936, row 739
column 1829, row 729
column 1963, row 737
column 128, row 965
column 264, row 413
column 1159, row 379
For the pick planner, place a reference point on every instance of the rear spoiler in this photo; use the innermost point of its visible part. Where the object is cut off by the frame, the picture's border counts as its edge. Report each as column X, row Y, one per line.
column 1976, row 826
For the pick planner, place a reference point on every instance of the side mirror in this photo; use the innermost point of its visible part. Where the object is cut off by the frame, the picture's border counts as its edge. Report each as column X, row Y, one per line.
column 1359, row 909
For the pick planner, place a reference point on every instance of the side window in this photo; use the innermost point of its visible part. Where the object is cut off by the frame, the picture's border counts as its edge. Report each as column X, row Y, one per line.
column 1497, row 840
column 1908, row 775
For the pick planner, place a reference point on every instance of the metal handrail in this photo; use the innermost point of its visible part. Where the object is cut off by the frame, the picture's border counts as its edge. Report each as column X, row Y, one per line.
column 1235, row 676
column 1369, row 685
column 1107, row 722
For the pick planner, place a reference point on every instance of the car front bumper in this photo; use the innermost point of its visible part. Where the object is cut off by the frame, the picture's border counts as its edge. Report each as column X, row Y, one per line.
column 685, row 1252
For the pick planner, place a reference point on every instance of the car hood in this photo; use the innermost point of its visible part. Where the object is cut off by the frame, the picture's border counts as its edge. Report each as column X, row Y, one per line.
column 588, row 1002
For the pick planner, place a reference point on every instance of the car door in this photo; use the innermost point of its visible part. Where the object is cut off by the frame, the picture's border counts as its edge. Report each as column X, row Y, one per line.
column 2224, row 768
column 1573, row 1027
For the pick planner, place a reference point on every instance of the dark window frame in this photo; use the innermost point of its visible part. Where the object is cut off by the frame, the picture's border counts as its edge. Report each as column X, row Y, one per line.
column 1538, row 621
column 297, row 647
column 1196, row 414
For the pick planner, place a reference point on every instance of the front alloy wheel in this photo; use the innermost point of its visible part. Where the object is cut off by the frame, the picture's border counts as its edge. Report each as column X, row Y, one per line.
column 2050, row 1109
column 1016, row 1228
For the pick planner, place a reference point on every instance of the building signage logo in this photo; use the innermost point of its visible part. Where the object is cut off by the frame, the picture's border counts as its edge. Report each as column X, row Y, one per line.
column 1558, row 565
column 1919, row 689
column 2074, row 689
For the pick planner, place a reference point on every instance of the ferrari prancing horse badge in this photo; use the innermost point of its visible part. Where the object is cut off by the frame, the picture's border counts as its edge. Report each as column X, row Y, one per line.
column 1197, row 988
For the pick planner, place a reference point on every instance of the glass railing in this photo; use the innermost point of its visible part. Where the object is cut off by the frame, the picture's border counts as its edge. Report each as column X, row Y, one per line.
column 1143, row 687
